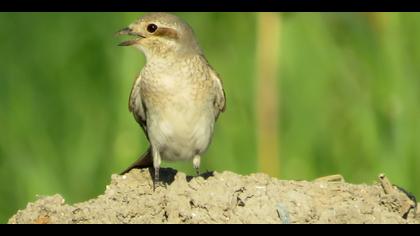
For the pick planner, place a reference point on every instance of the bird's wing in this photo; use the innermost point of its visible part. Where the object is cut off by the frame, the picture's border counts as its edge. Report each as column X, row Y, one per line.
column 136, row 105
column 220, row 99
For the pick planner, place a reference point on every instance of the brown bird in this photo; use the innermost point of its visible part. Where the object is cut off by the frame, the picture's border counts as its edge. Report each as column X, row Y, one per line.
column 177, row 97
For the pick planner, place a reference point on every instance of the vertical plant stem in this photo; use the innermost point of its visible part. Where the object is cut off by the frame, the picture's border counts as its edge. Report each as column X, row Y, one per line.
column 268, row 41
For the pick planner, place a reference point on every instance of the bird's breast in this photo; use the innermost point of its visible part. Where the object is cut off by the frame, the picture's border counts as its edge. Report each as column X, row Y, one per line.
column 180, row 117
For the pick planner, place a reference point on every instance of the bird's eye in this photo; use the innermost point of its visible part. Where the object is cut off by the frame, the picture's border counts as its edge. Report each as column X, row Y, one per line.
column 152, row 28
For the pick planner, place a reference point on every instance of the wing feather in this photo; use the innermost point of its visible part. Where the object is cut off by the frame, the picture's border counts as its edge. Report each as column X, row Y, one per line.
column 220, row 99
column 137, row 106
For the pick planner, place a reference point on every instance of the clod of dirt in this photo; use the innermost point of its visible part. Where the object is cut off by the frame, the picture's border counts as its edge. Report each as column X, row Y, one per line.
column 227, row 198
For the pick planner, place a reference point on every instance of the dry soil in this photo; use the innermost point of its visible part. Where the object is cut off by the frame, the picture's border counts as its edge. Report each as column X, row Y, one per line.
column 228, row 198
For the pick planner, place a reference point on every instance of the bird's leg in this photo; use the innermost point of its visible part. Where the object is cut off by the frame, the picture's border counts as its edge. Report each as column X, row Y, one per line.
column 196, row 163
column 156, row 179
column 156, row 165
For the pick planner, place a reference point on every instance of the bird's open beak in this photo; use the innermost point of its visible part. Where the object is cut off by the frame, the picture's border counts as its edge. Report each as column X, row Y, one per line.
column 125, row 31
column 129, row 31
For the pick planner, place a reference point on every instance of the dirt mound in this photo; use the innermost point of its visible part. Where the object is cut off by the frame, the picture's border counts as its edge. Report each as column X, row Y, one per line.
column 228, row 198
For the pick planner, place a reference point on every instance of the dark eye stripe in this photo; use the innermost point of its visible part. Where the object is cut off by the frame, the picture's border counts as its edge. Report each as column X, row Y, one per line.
column 167, row 32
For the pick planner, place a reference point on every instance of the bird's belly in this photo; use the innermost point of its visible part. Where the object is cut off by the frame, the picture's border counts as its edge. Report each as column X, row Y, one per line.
column 180, row 134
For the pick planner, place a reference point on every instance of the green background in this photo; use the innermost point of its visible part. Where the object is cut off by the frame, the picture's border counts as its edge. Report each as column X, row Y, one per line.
column 348, row 83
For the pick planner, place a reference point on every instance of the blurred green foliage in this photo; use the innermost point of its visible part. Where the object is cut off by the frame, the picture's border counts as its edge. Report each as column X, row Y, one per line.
column 349, row 85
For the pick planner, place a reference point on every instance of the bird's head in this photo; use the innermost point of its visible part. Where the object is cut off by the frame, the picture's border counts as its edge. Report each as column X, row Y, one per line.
column 161, row 35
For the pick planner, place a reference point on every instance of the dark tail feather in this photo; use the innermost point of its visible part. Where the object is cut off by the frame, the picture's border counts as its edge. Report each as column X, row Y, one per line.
column 144, row 161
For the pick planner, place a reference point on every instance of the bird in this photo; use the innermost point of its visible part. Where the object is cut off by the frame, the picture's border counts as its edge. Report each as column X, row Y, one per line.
column 177, row 97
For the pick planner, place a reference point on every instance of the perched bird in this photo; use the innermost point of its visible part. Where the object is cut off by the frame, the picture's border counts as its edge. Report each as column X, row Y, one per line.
column 177, row 97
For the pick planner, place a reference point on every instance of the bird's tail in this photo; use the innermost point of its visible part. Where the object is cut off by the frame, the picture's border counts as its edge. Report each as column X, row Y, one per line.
column 144, row 161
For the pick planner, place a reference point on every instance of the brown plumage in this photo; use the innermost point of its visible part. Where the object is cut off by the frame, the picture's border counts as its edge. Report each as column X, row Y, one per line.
column 178, row 96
